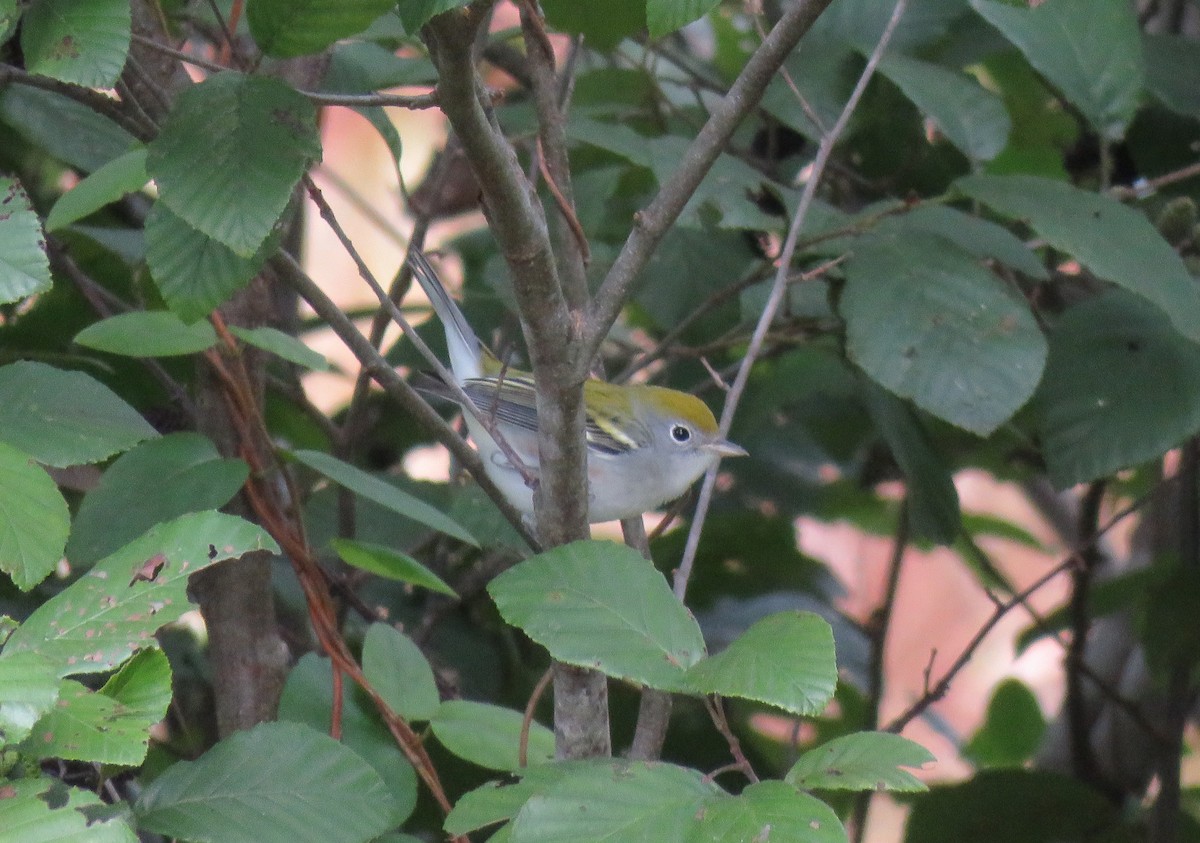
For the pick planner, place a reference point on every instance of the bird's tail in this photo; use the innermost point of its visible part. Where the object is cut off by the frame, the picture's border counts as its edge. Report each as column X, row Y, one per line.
column 464, row 345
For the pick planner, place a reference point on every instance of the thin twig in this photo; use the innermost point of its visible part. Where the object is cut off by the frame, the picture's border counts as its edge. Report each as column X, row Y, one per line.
column 1083, row 760
column 937, row 691
column 395, row 386
column 877, row 631
column 778, row 291
column 716, row 711
column 652, row 222
column 393, row 310
column 527, row 721
column 414, row 101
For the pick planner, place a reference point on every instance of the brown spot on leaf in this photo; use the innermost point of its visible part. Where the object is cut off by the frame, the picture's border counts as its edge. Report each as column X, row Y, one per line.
column 149, row 570
column 7, row 791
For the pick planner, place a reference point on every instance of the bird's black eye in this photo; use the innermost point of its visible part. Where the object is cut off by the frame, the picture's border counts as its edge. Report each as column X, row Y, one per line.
column 680, row 433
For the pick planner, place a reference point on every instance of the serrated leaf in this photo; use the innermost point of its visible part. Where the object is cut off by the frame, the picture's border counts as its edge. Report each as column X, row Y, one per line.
column 489, row 735
column 308, row 699
column 122, row 175
column 602, row 605
column 28, row 689
column 229, row 155
column 926, row 321
column 282, row 345
column 109, row 726
column 1098, row 67
column 194, row 272
column 147, row 333
column 786, row 660
column 971, row 117
column 1117, row 243
column 398, row 670
column 769, row 812
column 80, row 41
column 275, row 782
column 982, row 238
column 1121, row 387
column 385, row 562
column 633, row 802
column 384, row 494
column 24, row 267
column 863, row 761
column 34, row 519
column 65, row 418
column 44, row 809
column 496, row 802
column 665, row 16
column 112, row 611
column 287, row 28
column 187, row 474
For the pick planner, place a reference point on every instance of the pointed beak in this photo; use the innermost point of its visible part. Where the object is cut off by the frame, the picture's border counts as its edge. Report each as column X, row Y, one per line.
column 725, row 448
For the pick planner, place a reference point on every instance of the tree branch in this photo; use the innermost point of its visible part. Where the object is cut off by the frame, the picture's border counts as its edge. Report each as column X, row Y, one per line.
column 652, row 223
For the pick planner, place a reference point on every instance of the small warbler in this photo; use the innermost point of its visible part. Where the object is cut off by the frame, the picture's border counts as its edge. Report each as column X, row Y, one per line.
column 645, row 444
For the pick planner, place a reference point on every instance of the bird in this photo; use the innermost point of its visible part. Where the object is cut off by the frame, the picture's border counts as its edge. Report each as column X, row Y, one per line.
column 646, row 445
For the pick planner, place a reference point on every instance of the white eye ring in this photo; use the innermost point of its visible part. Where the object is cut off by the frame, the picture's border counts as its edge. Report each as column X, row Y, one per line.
column 680, row 433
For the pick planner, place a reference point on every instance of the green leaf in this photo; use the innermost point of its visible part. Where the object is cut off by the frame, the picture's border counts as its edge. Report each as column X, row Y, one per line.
column 34, row 519
column 112, row 611
column 194, row 272
column 971, row 117
column 489, row 735
column 786, row 660
column 65, row 418
column 28, row 689
column 603, row 23
column 185, row 470
column 308, row 699
column 863, row 761
column 122, row 175
column 933, row 509
column 286, row 28
column 24, row 267
column 1097, row 67
column 633, row 802
column 398, row 670
column 80, row 41
column 1172, row 64
column 384, row 494
column 282, row 345
column 392, row 564
column 277, row 782
column 1121, row 387
column 602, row 605
column 1012, row 806
column 1011, row 731
column 496, row 802
column 42, row 809
column 926, row 321
column 1115, row 242
column 68, row 130
column 982, row 238
column 823, row 71
column 229, row 155
column 414, row 14
column 665, row 16
column 109, row 726
column 769, row 811
column 147, row 333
